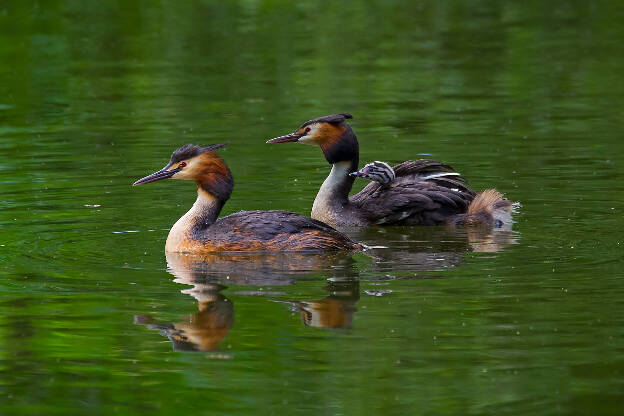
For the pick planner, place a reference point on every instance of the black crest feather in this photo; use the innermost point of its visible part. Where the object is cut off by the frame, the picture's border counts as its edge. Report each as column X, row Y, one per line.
column 191, row 150
column 185, row 152
column 332, row 118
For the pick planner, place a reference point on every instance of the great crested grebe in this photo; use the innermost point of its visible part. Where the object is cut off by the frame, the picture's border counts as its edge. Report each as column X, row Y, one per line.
column 487, row 208
column 199, row 231
column 422, row 192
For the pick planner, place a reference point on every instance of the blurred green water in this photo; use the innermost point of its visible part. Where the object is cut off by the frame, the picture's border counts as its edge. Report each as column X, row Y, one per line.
column 525, row 97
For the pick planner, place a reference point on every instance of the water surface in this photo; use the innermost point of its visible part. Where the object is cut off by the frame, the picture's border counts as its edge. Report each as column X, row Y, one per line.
column 527, row 98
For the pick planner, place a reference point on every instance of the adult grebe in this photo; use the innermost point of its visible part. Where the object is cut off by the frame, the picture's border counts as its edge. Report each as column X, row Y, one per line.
column 422, row 192
column 199, row 231
column 488, row 208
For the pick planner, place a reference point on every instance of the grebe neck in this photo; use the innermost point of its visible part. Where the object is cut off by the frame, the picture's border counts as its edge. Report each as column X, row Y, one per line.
column 342, row 152
column 334, row 193
column 202, row 215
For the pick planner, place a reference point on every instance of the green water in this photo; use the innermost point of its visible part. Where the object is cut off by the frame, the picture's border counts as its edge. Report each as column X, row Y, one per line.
column 524, row 96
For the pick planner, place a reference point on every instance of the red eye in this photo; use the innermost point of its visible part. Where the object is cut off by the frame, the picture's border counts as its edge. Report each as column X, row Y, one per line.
column 181, row 165
column 307, row 129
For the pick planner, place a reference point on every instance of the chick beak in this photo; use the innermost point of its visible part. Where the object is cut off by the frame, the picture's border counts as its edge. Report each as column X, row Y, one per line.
column 360, row 173
column 157, row 176
column 292, row 137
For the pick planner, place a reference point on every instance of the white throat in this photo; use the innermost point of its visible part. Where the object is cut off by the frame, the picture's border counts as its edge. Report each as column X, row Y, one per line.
column 205, row 203
column 328, row 197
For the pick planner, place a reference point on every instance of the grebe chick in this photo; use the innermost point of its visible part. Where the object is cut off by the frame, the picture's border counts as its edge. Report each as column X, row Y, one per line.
column 422, row 192
column 199, row 230
column 376, row 172
column 488, row 208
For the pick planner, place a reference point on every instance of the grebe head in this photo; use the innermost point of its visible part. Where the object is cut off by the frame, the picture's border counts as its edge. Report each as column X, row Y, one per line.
column 331, row 133
column 199, row 164
column 376, row 171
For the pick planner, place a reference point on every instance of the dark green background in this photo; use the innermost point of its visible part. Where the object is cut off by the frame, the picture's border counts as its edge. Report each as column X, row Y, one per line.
column 524, row 96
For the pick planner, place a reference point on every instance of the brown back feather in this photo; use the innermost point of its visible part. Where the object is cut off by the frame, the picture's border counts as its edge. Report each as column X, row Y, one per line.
column 489, row 208
column 488, row 201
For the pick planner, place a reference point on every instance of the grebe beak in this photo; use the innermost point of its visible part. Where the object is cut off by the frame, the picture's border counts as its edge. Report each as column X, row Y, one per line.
column 292, row 137
column 157, row 176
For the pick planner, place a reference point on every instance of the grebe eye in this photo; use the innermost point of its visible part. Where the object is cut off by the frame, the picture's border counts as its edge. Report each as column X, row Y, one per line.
column 181, row 165
column 307, row 129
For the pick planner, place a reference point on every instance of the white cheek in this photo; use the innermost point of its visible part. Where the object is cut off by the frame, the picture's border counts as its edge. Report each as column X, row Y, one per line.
column 178, row 175
column 311, row 137
column 307, row 140
column 188, row 172
column 184, row 174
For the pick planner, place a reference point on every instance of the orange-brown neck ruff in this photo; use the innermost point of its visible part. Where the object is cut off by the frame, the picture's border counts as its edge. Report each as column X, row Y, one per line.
column 213, row 176
column 339, row 143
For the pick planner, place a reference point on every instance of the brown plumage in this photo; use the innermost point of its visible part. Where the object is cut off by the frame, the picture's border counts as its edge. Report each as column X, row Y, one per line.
column 420, row 192
column 199, row 230
column 416, row 196
column 264, row 230
column 488, row 208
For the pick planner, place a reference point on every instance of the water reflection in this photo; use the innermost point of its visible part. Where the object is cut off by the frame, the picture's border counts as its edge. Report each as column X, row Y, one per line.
column 204, row 330
column 258, row 269
column 414, row 249
column 424, row 239
column 333, row 311
column 483, row 240
column 400, row 250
